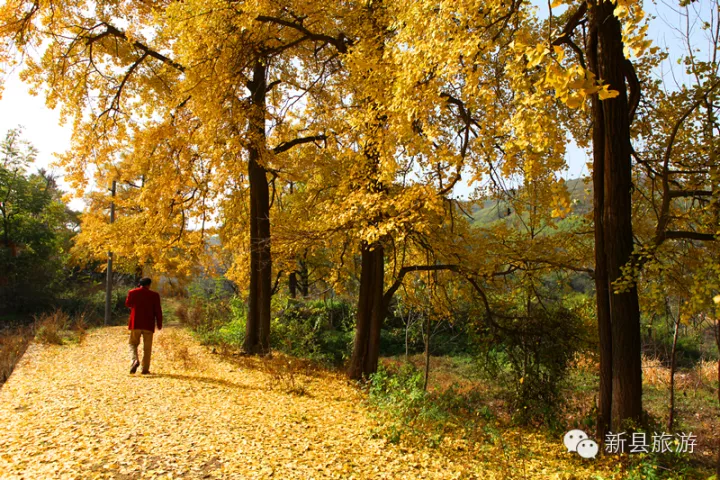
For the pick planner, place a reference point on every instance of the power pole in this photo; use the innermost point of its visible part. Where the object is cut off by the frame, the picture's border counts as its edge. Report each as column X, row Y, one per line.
column 108, row 280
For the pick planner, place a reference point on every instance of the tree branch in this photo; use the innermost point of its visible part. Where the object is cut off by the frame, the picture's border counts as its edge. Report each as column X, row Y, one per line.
column 341, row 43
column 689, row 235
column 634, row 83
column 116, row 32
column 570, row 26
column 414, row 268
column 690, row 193
column 285, row 146
column 277, row 281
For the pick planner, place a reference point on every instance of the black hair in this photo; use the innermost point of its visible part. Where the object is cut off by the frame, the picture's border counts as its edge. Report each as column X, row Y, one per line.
column 145, row 282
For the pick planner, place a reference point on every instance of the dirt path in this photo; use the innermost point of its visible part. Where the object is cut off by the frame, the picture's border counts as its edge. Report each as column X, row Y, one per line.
column 74, row 411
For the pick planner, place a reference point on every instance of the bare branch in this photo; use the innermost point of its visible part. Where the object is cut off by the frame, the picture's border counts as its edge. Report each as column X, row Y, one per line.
column 341, row 43
column 285, row 146
column 116, row 32
column 414, row 268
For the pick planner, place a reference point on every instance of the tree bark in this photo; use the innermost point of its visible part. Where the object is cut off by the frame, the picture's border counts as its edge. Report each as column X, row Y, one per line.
column 601, row 276
column 257, row 333
column 6, row 230
column 427, row 354
column 304, row 283
column 617, row 222
column 370, row 314
column 292, row 284
column 673, row 356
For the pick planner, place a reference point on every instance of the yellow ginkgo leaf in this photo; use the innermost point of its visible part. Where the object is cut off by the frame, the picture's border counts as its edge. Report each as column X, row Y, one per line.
column 573, row 101
column 605, row 93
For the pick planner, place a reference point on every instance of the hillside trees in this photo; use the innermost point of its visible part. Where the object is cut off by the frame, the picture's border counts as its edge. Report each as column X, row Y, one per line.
column 35, row 228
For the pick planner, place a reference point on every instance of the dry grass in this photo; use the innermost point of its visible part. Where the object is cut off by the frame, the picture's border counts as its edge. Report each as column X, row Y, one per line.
column 57, row 327
column 191, row 315
column 704, row 374
column 655, row 373
column 179, row 349
column 707, row 371
column 288, row 374
column 182, row 314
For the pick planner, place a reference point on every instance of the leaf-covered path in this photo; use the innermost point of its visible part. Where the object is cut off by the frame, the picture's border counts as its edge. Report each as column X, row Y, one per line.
column 74, row 411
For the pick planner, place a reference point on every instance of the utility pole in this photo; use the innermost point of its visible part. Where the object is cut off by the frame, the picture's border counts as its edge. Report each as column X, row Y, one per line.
column 109, row 271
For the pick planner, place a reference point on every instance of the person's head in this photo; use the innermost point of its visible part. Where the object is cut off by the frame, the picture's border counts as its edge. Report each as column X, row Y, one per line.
column 145, row 282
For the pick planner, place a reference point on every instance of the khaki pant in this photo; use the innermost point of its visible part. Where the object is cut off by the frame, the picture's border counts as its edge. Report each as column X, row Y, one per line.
column 147, row 337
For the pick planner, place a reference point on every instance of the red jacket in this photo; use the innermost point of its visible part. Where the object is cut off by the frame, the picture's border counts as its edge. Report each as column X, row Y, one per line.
column 145, row 309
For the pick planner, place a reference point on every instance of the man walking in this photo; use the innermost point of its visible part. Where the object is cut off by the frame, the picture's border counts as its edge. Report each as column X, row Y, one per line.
column 145, row 311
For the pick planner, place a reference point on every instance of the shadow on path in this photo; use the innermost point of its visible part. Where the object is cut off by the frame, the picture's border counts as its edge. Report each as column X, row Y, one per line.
column 209, row 380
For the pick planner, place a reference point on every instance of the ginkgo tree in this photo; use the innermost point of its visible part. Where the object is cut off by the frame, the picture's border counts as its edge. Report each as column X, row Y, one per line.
column 172, row 100
column 586, row 57
column 414, row 112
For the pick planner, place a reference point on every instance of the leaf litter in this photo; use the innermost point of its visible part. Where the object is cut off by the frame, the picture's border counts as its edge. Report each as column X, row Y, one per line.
column 74, row 411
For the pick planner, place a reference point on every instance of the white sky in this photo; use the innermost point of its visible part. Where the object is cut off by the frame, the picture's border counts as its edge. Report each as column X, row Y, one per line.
column 42, row 129
column 40, row 124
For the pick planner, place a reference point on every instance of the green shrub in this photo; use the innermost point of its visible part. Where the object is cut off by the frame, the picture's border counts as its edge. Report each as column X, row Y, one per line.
column 412, row 414
column 89, row 302
column 656, row 466
column 690, row 348
column 317, row 330
column 530, row 357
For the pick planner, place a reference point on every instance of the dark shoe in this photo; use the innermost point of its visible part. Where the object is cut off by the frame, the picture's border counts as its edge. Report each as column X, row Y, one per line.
column 145, row 372
column 134, row 366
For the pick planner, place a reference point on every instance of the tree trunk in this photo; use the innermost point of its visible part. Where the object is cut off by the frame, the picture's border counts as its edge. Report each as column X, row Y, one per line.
column 427, row 354
column 304, row 283
column 673, row 354
column 617, row 222
column 257, row 338
column 138, row 275
column 601, row 277
column 370, row 313
column 6, row 230
column 408, row 323
column 292, row 284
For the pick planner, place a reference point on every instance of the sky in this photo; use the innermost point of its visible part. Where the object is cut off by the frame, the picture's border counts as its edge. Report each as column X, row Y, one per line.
column 40, row 124
column 42, row 128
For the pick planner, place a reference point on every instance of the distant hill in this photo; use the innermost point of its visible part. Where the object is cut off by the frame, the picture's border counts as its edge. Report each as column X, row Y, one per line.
column 493, row 210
